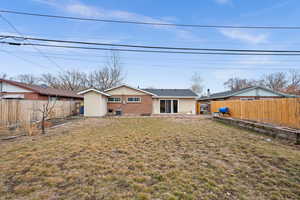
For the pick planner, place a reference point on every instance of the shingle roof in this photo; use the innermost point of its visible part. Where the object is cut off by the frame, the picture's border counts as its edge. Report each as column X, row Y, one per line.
column 227, row 93
column 230, row 93
column 44, row 90
column 172, row 92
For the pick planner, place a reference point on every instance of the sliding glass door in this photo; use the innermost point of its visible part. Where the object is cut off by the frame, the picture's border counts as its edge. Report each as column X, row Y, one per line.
column 168, row 106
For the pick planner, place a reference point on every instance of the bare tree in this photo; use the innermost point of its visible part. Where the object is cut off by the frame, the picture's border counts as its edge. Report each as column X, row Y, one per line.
column 293, row 82
column 197, row 83
column 50, row 80
column 46, row 110
column 27, row 78
column 72, row 80
column 237, row 83
column 89, row 80
column 276, row 81
column 111, row 75
column 3, row 75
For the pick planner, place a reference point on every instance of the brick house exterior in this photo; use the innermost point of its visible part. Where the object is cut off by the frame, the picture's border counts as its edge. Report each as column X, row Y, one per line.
column 144, row 107
column 127, row 100
column 16, row 90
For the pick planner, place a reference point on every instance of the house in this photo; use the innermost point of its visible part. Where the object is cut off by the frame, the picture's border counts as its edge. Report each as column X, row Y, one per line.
column 249, row 93
column 16, row 90
column 128, row 100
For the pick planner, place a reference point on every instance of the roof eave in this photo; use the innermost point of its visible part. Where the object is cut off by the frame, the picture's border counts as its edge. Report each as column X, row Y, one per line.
column 124, row 85
column 181, row 97
column 94, row 90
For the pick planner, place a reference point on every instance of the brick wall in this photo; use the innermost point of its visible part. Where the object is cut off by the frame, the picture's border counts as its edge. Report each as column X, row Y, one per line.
column 136, row 108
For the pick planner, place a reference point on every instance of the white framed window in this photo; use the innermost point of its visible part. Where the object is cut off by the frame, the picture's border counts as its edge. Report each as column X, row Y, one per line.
column 133, row 99
column 114, row 99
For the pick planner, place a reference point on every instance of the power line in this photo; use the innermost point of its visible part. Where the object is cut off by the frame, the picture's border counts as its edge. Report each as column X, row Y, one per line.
column 150, row 23
column 150, row 51
column 85, row 57
column 217, row 62
column 37, row 49
column 172, row 67
column 148, row 47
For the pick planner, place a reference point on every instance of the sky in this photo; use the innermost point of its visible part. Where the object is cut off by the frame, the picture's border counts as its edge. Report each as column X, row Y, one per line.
column 153, row 69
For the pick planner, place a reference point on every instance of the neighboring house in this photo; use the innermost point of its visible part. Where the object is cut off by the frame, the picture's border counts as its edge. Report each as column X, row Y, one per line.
column 17, row 90
column 134, row 101
column 250, row 93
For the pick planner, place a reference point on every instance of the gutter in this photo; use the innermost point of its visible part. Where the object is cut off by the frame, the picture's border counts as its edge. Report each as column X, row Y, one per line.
column 178, row 97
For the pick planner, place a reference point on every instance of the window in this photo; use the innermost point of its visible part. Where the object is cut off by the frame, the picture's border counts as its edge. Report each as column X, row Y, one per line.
column 114, row 99
column 133, row 99
column 168, row 106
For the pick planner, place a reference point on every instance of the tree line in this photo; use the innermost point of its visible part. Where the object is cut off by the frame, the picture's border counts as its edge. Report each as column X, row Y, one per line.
column 279, row 81
column 111, row 75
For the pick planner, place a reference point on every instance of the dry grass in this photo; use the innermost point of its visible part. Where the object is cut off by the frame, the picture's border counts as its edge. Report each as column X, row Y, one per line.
column 150, row 158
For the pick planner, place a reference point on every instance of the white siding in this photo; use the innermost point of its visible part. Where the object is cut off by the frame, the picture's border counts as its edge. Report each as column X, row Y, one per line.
column 257, row 92
column 6, row 87
column 124, row 91
column 95, row 104
column 185, row 106
column 155, row 106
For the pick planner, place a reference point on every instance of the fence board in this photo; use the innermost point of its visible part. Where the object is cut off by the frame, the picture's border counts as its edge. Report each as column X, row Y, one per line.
column 284, row 111
column 19, row 111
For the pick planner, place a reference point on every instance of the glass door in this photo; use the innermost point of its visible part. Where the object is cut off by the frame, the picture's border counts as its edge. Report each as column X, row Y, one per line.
column 168, row 106
column 175, row 106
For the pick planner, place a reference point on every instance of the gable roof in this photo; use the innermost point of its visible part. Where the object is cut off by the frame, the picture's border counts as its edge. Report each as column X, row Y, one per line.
column 124, row 85
column 231, row 93
column 43, row 90
column 94, row 90
column 184, row 93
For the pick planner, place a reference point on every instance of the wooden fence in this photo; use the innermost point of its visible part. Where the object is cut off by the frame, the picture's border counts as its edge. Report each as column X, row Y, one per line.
column 283, row 112
column 14, row 112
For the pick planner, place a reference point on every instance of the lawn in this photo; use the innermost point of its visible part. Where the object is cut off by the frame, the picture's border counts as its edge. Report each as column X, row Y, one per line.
column 149, row 158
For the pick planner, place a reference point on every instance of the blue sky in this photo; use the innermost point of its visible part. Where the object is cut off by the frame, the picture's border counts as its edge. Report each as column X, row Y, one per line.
column 157, row 70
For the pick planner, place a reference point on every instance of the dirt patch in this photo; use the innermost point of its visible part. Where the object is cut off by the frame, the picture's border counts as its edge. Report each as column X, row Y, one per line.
column 67, row 126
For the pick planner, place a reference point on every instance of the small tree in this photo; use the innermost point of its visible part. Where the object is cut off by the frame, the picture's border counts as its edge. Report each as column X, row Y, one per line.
column 46, row 110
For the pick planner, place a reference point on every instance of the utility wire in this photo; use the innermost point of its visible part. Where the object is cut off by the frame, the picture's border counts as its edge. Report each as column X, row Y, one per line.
column 150, row 51
column 148, row 47
column 174, row 68
column 149, row 23
column 37, row 49
column 173, row 60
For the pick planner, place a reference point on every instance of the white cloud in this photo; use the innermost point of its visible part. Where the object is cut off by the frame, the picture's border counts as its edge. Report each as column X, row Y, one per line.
column 80, row 9
column 245, row 36
column 223, row 1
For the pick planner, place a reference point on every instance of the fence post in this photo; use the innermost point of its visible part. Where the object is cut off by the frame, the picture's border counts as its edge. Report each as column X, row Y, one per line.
column 298, row 138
